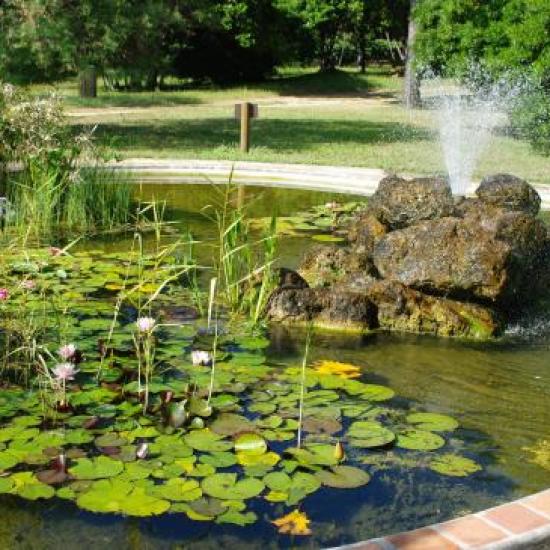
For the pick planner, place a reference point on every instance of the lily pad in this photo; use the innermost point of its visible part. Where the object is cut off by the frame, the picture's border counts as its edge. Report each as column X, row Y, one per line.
column 369, row 434
column 226, row 486
column 343, row 477
column 207, row 441
column 433, row 422
column 419, row 440
column 96, row 468
column 250, row 443
column 454, row 465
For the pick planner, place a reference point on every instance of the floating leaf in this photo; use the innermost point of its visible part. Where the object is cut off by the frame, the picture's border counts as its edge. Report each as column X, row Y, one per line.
column 419, row 440
column 454, row 465
column 369, row 434
column 226, row 486
column 294, row 523
column 96, row 468
column 343, row 477
column 178, row 490
column 207, row 441
column 433, row 422
column 237, row 518
column 250, row 443
column 229, row 424
column 342, row 370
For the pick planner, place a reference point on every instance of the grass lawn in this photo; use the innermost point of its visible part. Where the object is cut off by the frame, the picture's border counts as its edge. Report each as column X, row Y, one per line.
column 341, row 119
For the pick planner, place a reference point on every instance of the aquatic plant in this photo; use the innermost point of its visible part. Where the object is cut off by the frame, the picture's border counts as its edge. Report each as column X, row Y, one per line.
column 60, row 183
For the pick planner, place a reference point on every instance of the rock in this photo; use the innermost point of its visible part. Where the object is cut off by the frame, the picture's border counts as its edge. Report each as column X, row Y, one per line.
column 324, row 307
column 365, row 231
column 491, row 257
column 510, row 193
column 327, row 265
column 398, row 203
column 289, row 278
column 404, row 309
column 384, row 304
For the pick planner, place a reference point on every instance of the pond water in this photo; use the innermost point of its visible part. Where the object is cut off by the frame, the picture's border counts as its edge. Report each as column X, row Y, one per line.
column 499, row 392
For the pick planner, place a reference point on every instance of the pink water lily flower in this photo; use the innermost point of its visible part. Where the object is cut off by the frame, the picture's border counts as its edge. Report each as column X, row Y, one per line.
column 146, row 324
column 67, row 351
column 4, row 294
column 199, row 357
column 65, row 371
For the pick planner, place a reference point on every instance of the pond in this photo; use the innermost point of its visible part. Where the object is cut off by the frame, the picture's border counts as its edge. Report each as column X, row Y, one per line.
column 485, row 441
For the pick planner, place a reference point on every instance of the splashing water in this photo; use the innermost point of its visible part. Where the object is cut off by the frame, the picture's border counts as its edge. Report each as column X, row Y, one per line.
column 467, row 117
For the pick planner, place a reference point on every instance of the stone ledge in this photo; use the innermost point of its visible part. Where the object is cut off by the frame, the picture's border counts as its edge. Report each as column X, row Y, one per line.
column 520, row 524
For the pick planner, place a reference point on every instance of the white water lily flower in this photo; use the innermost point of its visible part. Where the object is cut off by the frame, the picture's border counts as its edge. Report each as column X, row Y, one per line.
column 199, row 357
column 67, row 351
column 65, row 371
column 145, row 324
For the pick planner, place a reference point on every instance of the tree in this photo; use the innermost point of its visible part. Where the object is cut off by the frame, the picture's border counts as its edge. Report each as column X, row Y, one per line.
column 412, row 86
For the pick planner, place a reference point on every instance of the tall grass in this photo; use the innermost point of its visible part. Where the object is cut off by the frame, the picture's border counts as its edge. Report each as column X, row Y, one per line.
column 244, row 262
column 45, row 200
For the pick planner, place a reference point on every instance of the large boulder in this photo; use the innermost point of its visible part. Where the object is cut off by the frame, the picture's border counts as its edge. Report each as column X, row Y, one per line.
column 324, row 307
column 384, row 304
column 398, row 202
column 365, row 231
column 327, row 265
column 407, row 310
column 510, row 193
column 488, row 258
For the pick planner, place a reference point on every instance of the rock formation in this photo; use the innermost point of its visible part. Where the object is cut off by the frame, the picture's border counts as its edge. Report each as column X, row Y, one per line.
column 420, row 260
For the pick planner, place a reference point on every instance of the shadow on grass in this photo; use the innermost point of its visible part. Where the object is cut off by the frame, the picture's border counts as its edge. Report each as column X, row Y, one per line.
column 135, row 99
column 275, row 134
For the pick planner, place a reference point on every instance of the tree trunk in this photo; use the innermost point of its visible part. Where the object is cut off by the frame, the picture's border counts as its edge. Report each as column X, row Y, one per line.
column 412, row 86
column 88, row 82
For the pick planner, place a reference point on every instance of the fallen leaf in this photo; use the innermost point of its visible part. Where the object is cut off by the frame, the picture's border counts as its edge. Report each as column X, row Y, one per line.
column 294, row 523
column 344, row 370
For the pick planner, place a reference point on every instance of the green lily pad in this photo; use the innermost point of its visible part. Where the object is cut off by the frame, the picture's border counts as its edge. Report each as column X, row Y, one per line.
column 419, row 440
column 6, row 484
column 219, row 460
column 26, row 485
column 237, row 518
column 207, row 441
column 369, row 434
column 250, row 443
column 96, row 468
column 433, row 422
column 226, row 486
column 8, row 460
column 178, row 490
column 454, row 465
column 228, row 424
column 343, row 477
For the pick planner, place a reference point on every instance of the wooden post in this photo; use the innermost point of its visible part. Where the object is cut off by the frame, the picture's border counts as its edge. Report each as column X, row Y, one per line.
column 245, row 127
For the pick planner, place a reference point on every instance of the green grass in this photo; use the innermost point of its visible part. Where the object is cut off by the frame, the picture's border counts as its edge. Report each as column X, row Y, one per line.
column 340, row 118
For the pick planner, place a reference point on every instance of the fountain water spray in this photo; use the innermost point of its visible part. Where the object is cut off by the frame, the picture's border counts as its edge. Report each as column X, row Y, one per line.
column 467, row 116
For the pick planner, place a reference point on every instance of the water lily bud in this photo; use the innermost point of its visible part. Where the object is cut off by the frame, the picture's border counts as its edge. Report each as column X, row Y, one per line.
column 339, row 453
column 142, row 451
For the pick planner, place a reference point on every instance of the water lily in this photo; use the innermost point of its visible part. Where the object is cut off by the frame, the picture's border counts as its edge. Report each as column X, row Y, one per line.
column 67, row 351
column 4, row 294
column 65, row 371
column 199, row 357
column 28, row 284
column 145, row 324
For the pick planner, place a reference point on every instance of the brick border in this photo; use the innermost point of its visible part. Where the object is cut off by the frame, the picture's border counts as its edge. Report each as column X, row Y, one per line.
column 523, row 523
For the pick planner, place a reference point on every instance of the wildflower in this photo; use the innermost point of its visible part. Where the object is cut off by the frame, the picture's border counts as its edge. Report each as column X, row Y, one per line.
column 145, row 324
column 201, row 357
column 4, row 294
column 67, row 351
column 28, row 284
column 65, row 371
